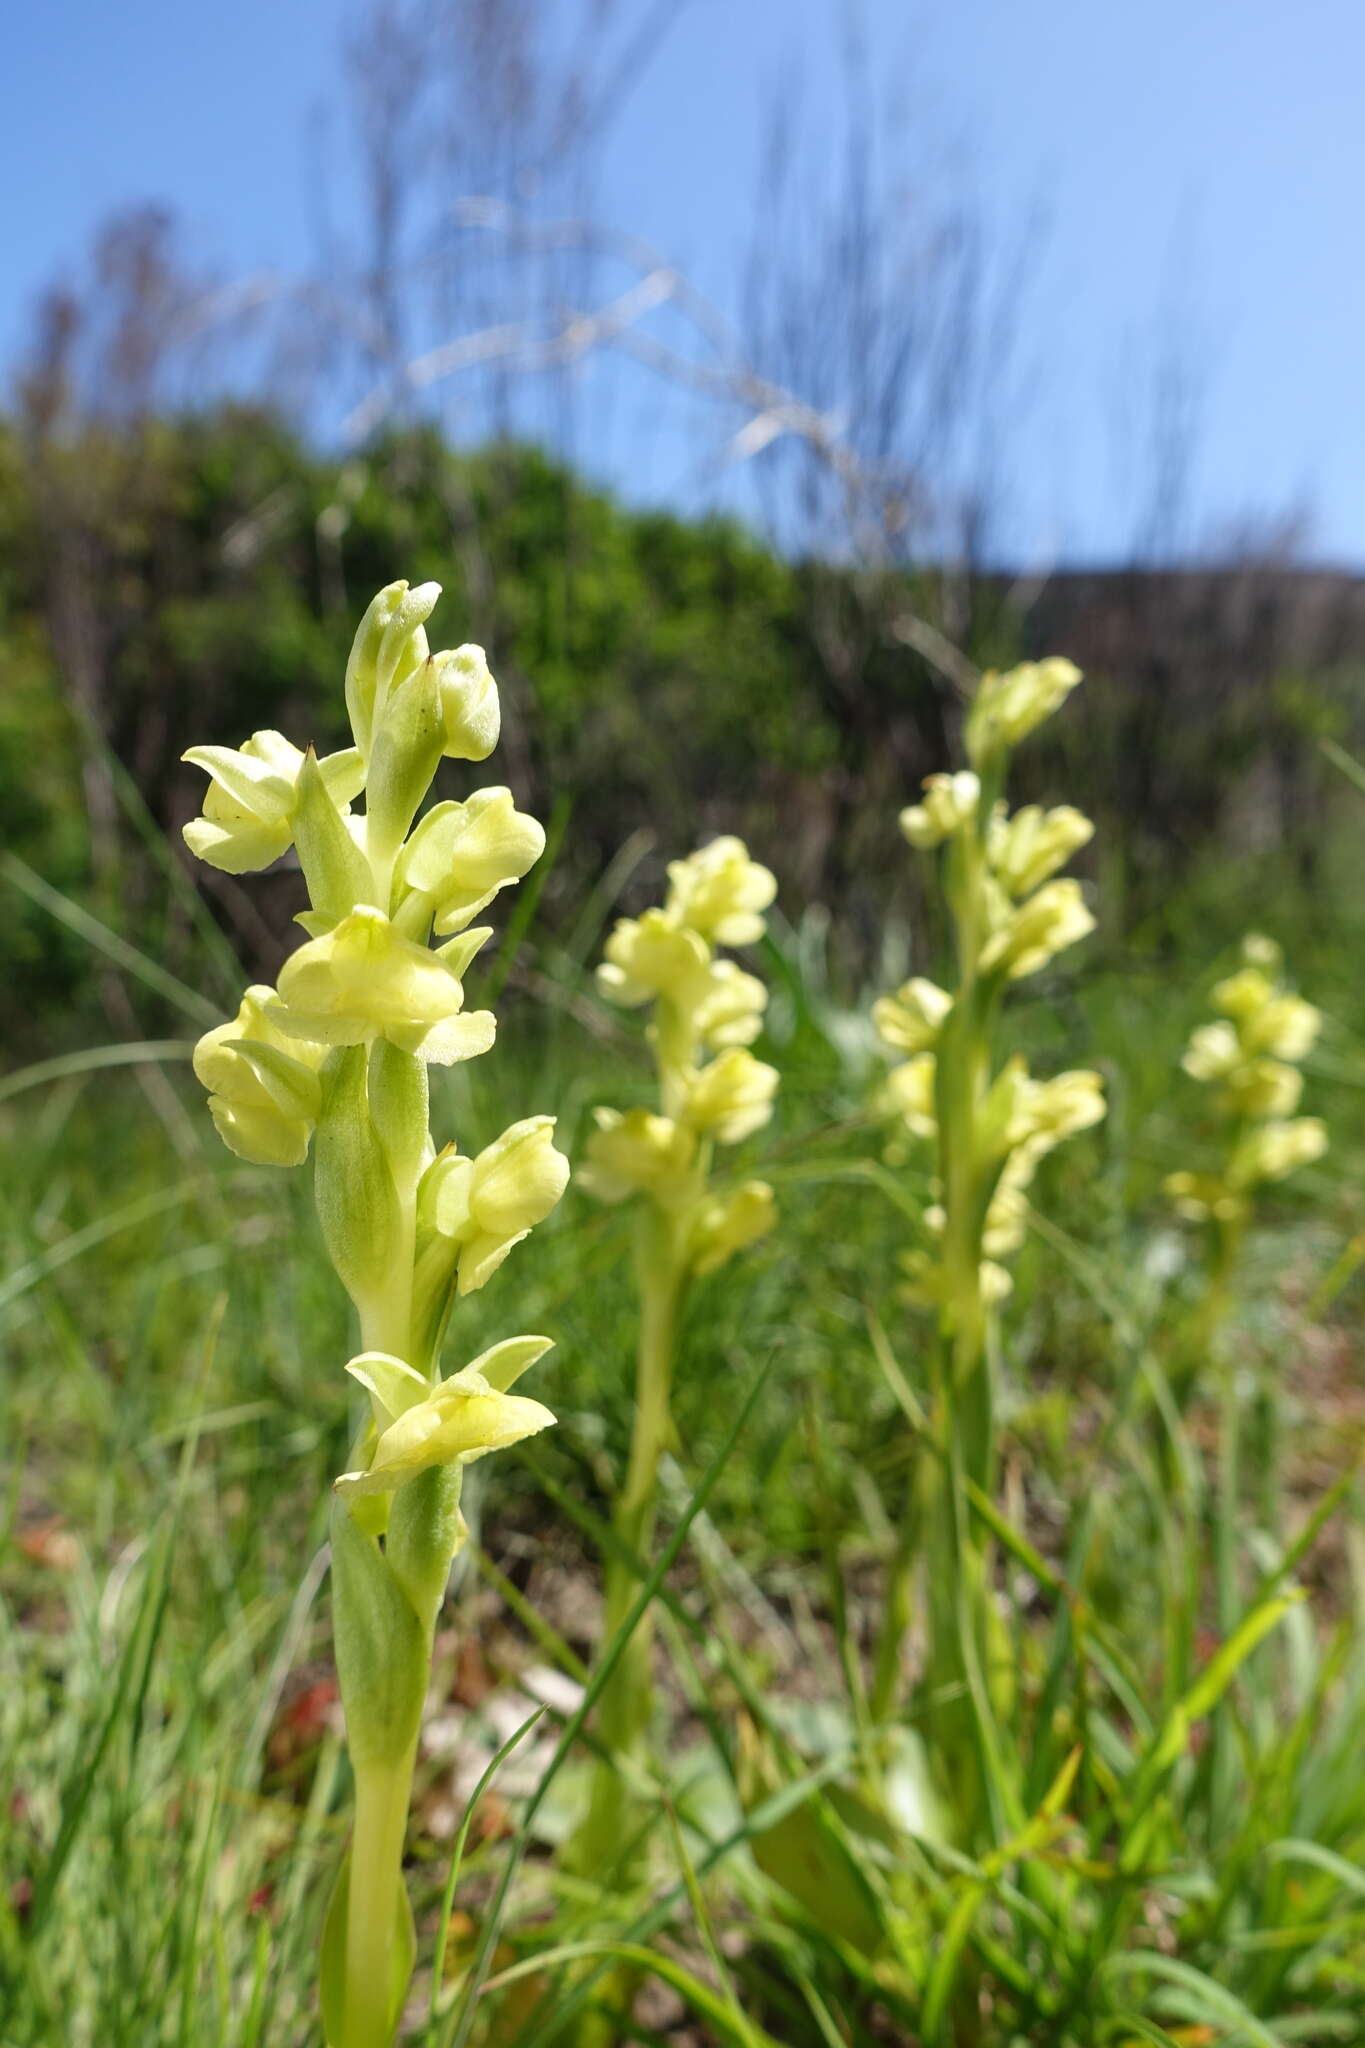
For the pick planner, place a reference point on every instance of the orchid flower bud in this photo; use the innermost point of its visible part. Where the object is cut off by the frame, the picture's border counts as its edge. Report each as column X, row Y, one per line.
column 1052, row 919
column 996, row 1283
column 461, row 855
column 1287, row 1028
column 1025, row 849
column 730, row 1009
column 389, row 644
column 403, row 758
column 264, row 1093
column 1006, row 1221
column 719, row 892
column 732, row 1097
column 950, row 802
column 997, row 1123
column 1212, row 1053
column 1009, row 706
column 1243, row 994
column 635, row 1152
column 1046, row 1112
column 654, row 956
column 1261, row 1088
column 726, row 1224
column 1273, row 1150
column 1259, row 951
column 364, row 981
column 910, row 1088
column 1198, row 1197
column 248, row 817
column 911, row 1020
column 471, row 716
column 1268, row 1018
column 488, row 1204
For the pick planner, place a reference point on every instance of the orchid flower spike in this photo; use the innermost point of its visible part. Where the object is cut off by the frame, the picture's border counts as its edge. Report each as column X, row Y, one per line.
column 706, row 1012
column 335, row 1058
column 1248, row 1059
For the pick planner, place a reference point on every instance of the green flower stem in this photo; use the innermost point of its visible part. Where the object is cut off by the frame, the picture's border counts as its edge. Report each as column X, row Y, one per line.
column 1206, row 1325
column 957, row 1561
column 963, row 1077
column 897, row 1614
column 626, row 1704
column 962, row 1404
column 383, row 1783
column 418, row 1548
column 1214, row 1357
column 965, row 1379
column 634, row 1518
column 397, row 1626
column 383, row 1792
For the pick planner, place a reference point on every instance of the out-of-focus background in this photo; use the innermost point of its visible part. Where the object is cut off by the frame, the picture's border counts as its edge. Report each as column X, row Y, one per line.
column 731, row 367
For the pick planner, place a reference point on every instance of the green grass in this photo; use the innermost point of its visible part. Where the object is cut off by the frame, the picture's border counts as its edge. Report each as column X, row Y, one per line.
column 1178, row 1779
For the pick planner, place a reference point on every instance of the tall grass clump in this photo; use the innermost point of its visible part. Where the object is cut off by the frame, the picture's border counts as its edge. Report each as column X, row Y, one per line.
column 337, row 1056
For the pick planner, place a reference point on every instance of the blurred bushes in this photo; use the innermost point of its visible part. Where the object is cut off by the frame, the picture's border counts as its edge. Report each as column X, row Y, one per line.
column 163, row 581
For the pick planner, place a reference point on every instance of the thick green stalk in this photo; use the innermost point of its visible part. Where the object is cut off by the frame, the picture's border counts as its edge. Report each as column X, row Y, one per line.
column 1198, row 1349
column 382, row 1795
column 963, row 1077
column 383, row 1782
column 961, row 1391
column 627, row 1705
column 963, row 1314
column 942, row 1530
column 964, row 1410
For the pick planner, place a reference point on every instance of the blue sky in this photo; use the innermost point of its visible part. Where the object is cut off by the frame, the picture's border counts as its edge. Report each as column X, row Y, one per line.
column 1200, row 169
